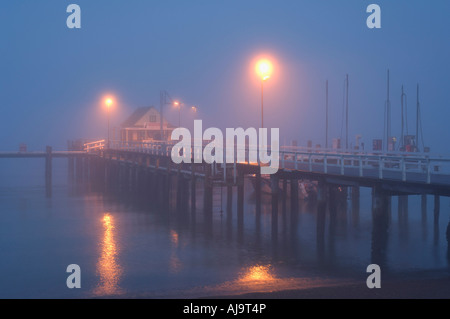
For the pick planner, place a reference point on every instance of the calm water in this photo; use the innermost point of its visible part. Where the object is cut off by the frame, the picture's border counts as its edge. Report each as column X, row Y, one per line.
column 128, row 251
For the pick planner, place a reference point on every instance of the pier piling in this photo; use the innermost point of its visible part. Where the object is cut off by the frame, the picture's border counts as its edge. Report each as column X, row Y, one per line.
column 48, row 171
column 321, row 213
column 274, row 184
column 380, row 225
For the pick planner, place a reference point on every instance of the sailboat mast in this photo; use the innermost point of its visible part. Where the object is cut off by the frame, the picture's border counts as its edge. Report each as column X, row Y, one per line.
column 388, row 115
column 326, row 118
column 346, row 113
column 403, row 123
column 417, row 120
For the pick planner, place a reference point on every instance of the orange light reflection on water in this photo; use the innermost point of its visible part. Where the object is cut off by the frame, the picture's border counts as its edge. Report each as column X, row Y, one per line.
column 107, row 266
column 257, row 274
column 259, row 278
column 175, row 264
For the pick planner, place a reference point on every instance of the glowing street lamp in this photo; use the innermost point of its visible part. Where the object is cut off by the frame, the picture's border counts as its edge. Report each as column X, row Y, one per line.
column 264, row 67
column 179, row 105
column 108, row 102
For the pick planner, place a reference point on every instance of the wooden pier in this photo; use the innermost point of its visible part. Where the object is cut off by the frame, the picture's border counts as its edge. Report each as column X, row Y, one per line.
column 146, row 171
column 48, row 155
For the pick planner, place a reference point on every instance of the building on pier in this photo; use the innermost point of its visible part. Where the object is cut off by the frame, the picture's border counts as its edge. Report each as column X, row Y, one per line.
column 145, row 125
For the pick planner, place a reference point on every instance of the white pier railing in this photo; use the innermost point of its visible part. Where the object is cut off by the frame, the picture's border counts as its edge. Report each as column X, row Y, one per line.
column 94, row 146
column 414, row 167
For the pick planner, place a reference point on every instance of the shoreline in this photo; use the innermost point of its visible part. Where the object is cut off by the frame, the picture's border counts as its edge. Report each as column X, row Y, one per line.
column 398, row 289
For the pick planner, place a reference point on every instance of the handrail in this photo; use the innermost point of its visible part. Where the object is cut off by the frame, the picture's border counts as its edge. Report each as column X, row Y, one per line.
column 97, row 145
column 316, row 161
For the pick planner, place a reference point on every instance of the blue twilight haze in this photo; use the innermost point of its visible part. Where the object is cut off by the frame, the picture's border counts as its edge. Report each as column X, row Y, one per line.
column 52, row 78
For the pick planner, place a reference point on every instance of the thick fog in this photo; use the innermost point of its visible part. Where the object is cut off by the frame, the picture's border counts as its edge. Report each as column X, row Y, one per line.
column 52, row 79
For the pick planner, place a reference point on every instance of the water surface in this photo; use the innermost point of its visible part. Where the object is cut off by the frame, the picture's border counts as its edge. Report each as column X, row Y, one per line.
column 130, row 251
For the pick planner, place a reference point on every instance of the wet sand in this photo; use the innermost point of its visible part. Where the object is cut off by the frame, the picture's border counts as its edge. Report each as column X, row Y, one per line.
column 401, row 289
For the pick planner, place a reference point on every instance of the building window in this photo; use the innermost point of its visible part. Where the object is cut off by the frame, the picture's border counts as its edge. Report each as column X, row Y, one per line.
column 153, row 118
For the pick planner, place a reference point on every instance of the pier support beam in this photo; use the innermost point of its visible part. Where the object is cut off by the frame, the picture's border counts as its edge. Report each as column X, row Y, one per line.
column 294, row 196
column 403, row 216
column 85, row 169
column 229, row 221
column 79, row 169
column 48, row 171
column 240, row 205
column 208, row 193
column 333, row 201
column 258, row 193
column 274, row 184
column 284, row 196
column 258, row 199
column 167, row 190
column 229, row 199
column 355, row 205
column 403, row 209
column 284, row 207
column 424, row 215
column 294, row 209
column 193, row 195
column 71, row 169
column 159, row 186
column 437, row 207
column 321, row 213
column 179, row 183
column 153, row 186
column 71, row 163
column 193, row 192
column 182, row 194
column 380, row 225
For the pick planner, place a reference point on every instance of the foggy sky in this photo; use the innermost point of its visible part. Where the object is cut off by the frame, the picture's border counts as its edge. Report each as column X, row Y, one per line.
column 52, row 78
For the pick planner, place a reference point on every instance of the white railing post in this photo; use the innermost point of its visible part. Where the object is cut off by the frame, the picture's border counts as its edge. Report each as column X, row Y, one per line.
column 342, row 165
column 428, row 171
column 325, row 165
column 309, row 163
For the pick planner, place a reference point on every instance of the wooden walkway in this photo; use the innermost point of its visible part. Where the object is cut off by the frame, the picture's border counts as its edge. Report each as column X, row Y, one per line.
column 57, row 154
column 392, row 173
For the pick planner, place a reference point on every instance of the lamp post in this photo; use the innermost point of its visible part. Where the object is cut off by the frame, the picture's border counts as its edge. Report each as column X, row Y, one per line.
column 264, row 68
column 108, row 103
column 264, row 78
column 178, row 104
